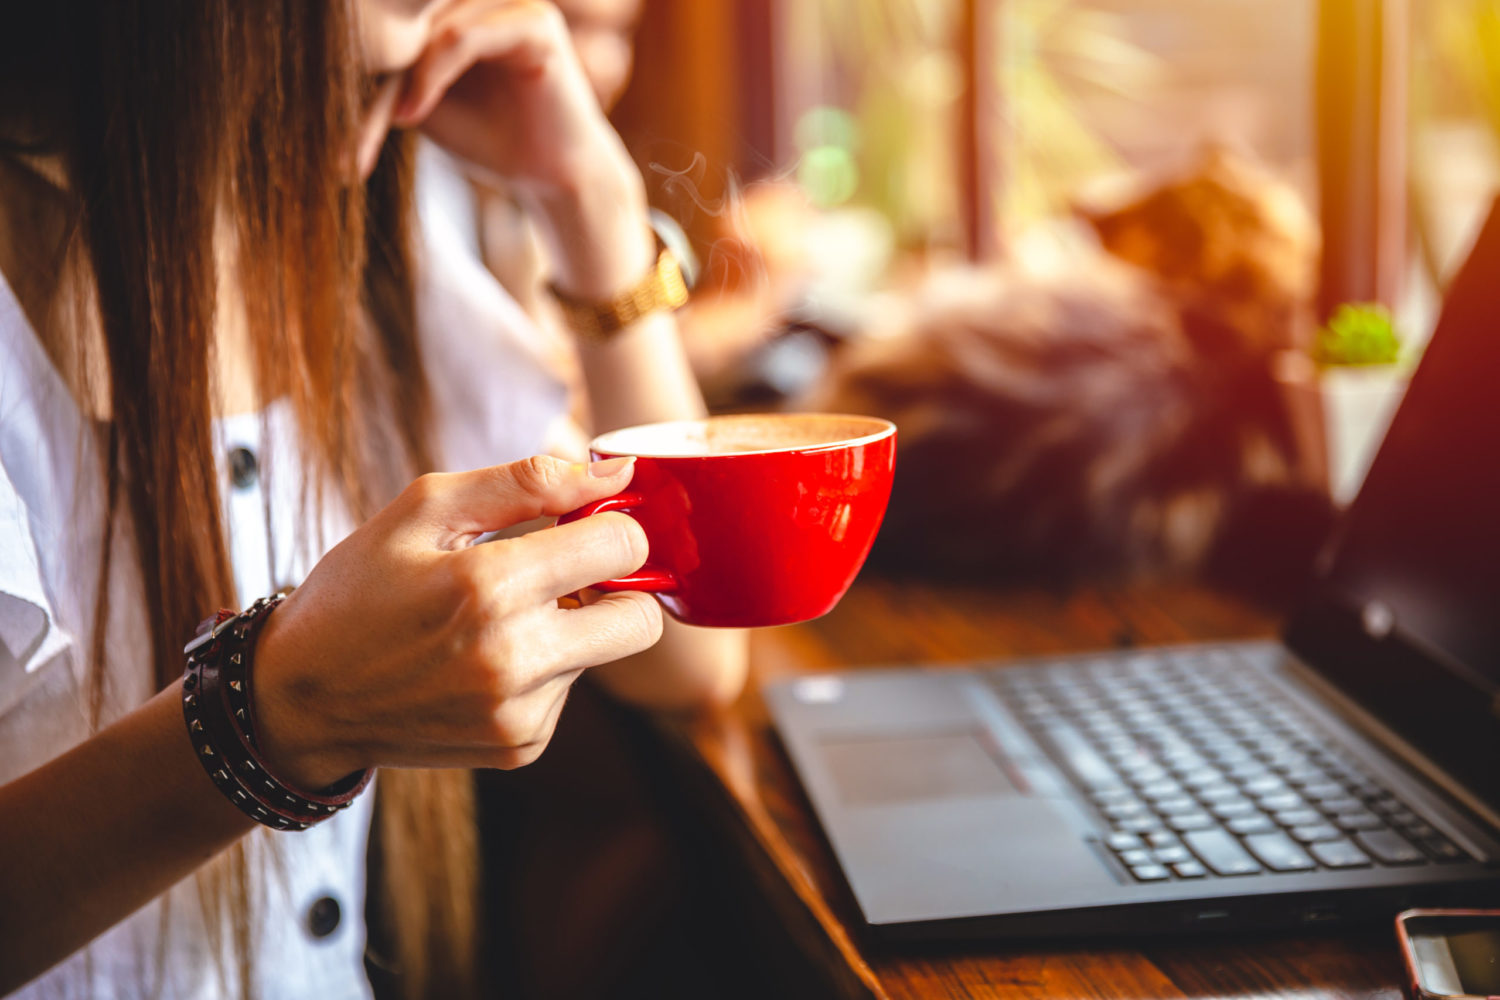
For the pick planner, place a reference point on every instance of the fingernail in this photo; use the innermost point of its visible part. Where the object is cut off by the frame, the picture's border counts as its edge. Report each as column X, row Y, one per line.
column 610, row 466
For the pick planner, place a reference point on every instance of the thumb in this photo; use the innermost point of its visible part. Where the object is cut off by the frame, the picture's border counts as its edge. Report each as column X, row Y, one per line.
column 490, row 499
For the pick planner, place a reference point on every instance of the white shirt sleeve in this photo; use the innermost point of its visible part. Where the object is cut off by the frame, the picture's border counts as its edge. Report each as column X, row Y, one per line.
column 29, row 634
column 33, row 406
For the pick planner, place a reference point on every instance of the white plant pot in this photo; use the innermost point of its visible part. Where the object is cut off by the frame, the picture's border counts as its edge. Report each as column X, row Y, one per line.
column 1358, row 404
column 1340, row 416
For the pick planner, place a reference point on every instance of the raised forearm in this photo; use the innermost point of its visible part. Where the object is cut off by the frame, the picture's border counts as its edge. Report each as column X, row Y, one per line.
column 89, row 838
column 601, row 245
column 642, row 376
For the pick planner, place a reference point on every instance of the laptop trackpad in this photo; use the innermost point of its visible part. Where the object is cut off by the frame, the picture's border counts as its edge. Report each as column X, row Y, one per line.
column 886, row 770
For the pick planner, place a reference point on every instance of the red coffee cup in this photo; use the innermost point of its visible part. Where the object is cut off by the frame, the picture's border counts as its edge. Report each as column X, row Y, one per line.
column 756, row 519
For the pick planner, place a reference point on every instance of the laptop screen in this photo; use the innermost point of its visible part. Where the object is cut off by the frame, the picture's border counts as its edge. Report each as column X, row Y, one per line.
column 1404, row 615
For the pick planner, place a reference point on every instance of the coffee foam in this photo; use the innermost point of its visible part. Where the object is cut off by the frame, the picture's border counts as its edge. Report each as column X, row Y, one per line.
column 740, row 435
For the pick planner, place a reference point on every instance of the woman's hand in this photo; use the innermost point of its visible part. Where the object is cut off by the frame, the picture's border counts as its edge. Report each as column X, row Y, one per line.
column 500, row 85
column 409, row 646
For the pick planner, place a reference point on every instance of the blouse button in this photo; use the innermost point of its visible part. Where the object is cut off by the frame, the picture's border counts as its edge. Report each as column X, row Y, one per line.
column 323, row 917
column 243, row 468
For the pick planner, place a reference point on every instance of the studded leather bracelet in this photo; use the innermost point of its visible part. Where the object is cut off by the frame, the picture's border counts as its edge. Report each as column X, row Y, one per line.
column 220, row 714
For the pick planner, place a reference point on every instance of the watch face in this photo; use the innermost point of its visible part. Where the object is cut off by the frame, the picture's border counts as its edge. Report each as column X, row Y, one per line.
column 673, row 238
column 663, row 288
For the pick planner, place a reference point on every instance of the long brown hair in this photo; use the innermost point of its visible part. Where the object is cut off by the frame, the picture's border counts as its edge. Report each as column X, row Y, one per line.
column 202, row 137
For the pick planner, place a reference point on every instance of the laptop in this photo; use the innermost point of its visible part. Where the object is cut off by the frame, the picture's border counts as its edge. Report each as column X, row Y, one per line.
column 1343, row 773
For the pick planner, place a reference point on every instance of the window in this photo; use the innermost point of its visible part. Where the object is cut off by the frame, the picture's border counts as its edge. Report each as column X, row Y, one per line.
column 874, row 108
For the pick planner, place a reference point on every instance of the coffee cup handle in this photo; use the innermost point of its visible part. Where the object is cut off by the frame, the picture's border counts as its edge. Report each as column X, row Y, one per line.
column 648, row 579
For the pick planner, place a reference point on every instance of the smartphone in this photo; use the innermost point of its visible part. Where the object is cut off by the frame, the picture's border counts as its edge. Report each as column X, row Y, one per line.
column 1451, row 954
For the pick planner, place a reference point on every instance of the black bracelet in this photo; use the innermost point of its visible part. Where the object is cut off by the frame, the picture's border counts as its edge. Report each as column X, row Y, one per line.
column 219, row 711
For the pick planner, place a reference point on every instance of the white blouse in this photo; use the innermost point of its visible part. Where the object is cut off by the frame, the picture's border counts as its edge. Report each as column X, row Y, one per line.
column 494, row 402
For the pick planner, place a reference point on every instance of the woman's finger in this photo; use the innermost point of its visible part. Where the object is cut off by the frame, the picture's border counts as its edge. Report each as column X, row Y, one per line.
column 539, row 568
column 519, row 34
column 376, row 125
column 556, row 695
column 611, row 628
column 461, row 506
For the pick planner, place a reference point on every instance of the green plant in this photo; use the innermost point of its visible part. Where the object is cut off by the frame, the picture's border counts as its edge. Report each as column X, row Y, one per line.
column 1359, row 333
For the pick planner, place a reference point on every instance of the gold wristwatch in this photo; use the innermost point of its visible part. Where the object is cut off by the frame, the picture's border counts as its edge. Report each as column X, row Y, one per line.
column 662, row 288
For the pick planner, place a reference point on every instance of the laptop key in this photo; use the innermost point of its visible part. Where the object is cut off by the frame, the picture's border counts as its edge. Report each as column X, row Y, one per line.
column 1171, row 855
column 1359, row 821
column 1122, row 810
column 1279, row 852
column 1122, row 842
column 1231, row 755
column 1305, row 774
column 1161, row 789
column 1222, row 792
column 1139, row 824
column 1233, row 808
column 1314, row 832
column 1259, row 823
column 1144, row 772
column 1389, row 847
column 1150, row 873
column 1281, row 801
column 1087, row 766
column 1270, row 748
column 1163, row 838
column 1190, row 869
column 1202, row 777
column 1298, row 817
column 1221, row 852
column 1288, row 761
column 1191, row 821
column 1252, row 770
column 1138, row 856
column 1265, row 784
column 1324, row 791
column 1182, row 758
column 1344, row 804
column 1339, row 854
column 1179, row 806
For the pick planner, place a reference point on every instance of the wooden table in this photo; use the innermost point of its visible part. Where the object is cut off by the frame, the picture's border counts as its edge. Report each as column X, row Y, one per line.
column 800, row 913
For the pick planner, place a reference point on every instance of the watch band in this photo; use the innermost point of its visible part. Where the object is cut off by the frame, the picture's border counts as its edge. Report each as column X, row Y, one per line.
column 663, row 288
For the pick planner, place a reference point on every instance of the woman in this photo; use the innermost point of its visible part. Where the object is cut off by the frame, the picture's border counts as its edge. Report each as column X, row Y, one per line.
column 218, row 353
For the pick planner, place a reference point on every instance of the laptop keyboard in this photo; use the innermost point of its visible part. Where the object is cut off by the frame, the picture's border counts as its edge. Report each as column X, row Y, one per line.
column 1198, row 767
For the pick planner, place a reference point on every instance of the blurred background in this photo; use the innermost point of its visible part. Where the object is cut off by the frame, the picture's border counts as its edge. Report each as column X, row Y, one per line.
column 1141, row 281
column 962, row 124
